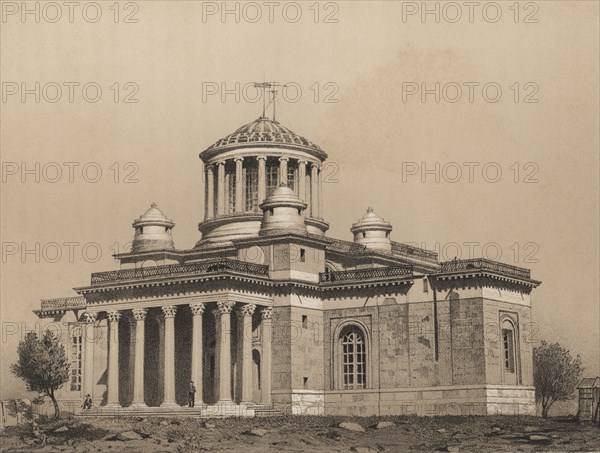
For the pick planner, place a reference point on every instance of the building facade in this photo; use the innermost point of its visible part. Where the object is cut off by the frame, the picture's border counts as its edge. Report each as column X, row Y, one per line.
column 267, row 312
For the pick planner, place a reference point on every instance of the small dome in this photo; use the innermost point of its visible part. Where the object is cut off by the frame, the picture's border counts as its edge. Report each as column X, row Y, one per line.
column 152, row 231
column 372, row 231
column 263, row 132
column 283, row 212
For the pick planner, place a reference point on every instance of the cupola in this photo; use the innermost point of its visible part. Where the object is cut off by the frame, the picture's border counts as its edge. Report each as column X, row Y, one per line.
column 373, row 232
column 283, row 212
column 152, row 231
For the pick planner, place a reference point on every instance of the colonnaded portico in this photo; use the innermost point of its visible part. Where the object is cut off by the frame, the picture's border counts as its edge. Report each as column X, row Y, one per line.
column 222, row 346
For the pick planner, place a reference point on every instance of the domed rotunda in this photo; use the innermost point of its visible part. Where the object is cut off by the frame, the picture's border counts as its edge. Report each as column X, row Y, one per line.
column 245, row 167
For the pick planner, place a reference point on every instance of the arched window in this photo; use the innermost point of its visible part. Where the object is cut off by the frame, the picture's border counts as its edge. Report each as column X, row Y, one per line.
column 75, row 351
column 353, row 358
column 508, row 346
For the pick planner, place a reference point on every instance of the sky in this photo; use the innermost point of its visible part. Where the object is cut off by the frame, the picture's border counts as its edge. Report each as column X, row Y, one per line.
column 474, row 133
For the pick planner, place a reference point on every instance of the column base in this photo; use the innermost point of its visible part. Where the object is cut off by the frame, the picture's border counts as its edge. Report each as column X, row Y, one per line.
column 135, row 405
column 170, row 404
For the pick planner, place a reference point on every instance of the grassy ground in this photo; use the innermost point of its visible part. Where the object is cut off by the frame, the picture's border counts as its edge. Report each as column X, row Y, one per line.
column 311, row 434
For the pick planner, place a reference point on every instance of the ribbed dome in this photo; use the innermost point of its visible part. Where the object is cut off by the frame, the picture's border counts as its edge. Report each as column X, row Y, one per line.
column 263, row 132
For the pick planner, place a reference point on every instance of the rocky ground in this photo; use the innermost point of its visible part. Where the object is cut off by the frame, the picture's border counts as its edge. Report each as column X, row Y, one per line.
column 312, row 434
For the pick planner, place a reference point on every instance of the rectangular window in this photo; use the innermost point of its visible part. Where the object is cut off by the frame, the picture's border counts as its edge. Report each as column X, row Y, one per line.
column 425, row 285
column 302, row 255
column 272, row 178
column 230, row 182
column 292, row 181
column 251, row 189
column 304, row 322
column 508, row 350
column 75, row 358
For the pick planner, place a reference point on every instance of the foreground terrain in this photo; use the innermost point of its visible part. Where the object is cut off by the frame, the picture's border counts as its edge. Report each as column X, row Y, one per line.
column 312, row 434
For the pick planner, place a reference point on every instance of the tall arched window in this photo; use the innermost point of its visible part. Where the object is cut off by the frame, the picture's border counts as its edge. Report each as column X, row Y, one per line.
column 510, row 350
column 354, row 358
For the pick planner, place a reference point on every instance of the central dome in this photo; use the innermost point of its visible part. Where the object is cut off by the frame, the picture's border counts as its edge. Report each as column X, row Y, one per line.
column 264, row 132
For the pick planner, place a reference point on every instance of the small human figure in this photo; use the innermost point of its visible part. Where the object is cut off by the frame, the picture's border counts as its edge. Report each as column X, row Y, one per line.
column 191, row 394
column 87, row 402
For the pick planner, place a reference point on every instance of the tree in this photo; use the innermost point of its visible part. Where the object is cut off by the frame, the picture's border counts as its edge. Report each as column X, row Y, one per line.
column 42, row 365
column 555, row 374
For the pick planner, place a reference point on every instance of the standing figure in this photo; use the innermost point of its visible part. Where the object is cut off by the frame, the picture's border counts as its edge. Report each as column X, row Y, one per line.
column 191, row 394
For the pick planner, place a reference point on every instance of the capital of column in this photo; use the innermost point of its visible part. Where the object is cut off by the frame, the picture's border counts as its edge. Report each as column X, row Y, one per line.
column 284, row 159
column 169, row 311
column 315, row 165
column 303, row 162
column 89, row 317
column 225, row 306
column 248, row 310
column 266, row 313
column 261, row 158
column 114, row 316
column 209, row 167
column 197, row 309
column 221, row 162
column 139, row 314
column 238, row 159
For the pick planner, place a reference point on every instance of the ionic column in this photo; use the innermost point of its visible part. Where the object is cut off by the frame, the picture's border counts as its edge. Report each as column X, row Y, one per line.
column 314, row 192
column 221, row 188
column 139, row 314
column 265, row 375
column 238, row 184
column 225, row 308
column 246, row 329
column 210, row 191
column 88, row 365
column 113, row 359
column 283, row 164
column 197, row 357
column 302, row 179
column 169, row 312
column 262, row 178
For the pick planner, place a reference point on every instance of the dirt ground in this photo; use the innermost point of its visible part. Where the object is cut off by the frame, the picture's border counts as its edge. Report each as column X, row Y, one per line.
column 311, row 434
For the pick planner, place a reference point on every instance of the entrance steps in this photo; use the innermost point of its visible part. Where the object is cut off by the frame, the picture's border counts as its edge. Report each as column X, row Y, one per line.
column 205, row 411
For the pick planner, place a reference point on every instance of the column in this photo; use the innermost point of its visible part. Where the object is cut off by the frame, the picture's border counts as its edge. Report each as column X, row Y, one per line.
column 221, row 188
column 262, row 178
column 113, row 359
column 88, row 365
column 139, row 314
column 314, row 196
column 265, row 372
column 225, row 309
column 239, row 186
column 210, row 191
column 320, row 192
column 197, row 357
column 302, row 180
column 283, row 164
column 169, row 312
column 246, row 329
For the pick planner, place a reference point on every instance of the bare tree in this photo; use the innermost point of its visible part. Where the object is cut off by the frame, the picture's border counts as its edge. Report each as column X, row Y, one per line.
column 42, row 365
column 555, row 374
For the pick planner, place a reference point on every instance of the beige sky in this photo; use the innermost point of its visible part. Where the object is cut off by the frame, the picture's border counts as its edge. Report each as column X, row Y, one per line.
column 366, row 62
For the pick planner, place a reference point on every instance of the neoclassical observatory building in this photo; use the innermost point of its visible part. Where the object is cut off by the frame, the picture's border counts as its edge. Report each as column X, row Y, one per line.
column 268, row 315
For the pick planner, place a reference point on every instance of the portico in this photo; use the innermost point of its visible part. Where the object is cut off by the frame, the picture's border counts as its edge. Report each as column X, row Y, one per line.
column 208, row 342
